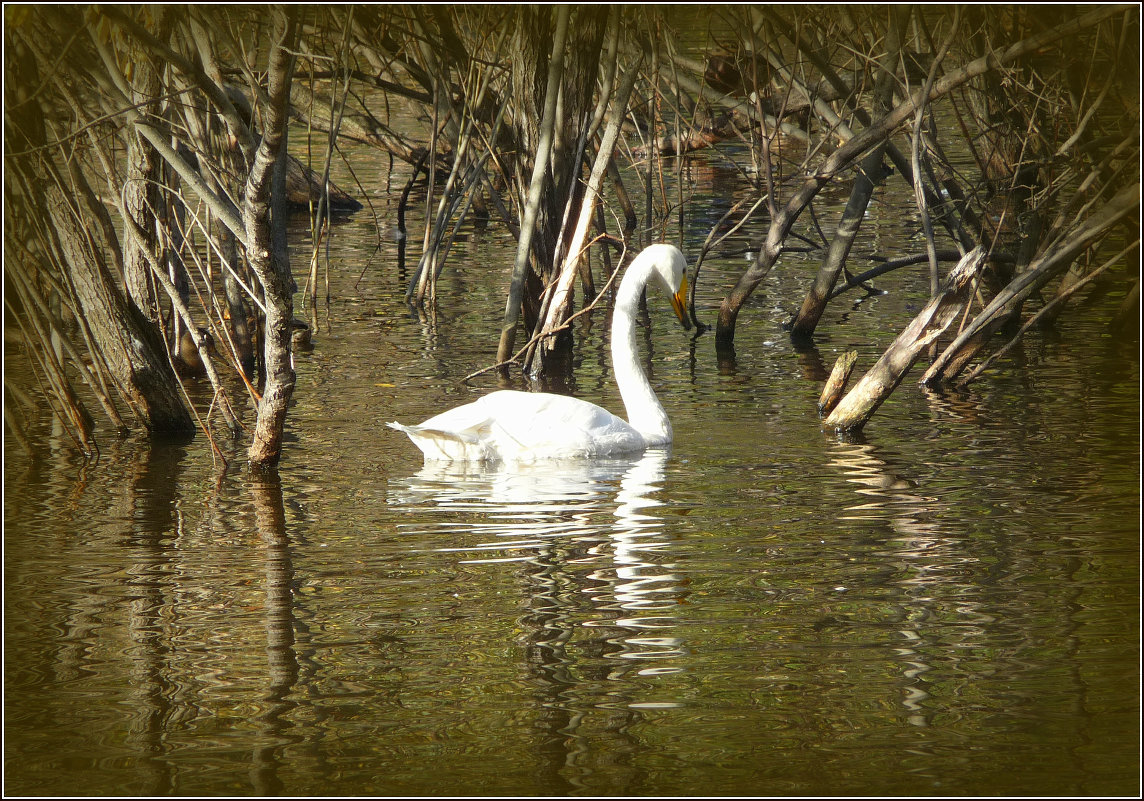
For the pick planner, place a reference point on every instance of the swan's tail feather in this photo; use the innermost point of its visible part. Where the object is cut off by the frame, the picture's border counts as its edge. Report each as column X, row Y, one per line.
column 438, row 444
column 468, row 435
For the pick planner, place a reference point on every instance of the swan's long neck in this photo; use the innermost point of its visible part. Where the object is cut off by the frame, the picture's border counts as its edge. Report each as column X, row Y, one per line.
column 645, row 413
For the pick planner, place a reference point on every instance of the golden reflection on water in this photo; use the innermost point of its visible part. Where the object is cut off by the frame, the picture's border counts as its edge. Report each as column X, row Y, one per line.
column 168, row 632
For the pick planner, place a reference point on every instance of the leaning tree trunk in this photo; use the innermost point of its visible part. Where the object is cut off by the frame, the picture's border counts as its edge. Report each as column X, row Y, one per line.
column 876, row 133
column 127, row 342
column 1054, row 261
column 264, row 216
column 869, row 175
column 868, row 394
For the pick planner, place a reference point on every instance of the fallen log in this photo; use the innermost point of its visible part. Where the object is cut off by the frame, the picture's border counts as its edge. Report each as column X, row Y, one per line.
column 868, row 394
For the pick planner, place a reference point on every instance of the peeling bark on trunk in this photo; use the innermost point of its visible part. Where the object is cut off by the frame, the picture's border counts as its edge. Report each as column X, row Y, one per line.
column 836, row 384
column 264, row 216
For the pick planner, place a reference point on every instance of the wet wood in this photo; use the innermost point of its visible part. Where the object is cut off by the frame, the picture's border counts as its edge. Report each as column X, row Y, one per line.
column 305, row 188
column 836, row 384
column 559, row 305
column 467, row 71
column 1051, row 264
column 868, row 394
column 545, row 135
column 856, row 146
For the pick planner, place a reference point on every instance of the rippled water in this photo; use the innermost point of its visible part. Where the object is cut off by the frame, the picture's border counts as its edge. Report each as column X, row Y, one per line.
column 947, row 605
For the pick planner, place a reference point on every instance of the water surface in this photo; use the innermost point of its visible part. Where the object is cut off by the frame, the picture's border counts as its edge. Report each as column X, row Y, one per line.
column 945, row 605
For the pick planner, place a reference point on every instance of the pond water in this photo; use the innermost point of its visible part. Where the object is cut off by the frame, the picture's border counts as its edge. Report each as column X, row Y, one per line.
column 945, row 605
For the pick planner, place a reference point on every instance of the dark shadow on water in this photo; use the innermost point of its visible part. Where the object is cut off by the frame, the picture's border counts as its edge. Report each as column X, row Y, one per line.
column 151, row 483
column 281, row 653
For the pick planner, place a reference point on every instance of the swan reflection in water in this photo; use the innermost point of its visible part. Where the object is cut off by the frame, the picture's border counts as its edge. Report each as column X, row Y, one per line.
column 593, row 521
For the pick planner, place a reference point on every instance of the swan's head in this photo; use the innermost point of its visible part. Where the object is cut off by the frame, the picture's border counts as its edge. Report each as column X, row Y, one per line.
column 669, row 268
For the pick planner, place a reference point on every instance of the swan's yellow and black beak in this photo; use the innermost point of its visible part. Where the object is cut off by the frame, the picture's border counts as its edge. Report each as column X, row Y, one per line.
column 679, row 304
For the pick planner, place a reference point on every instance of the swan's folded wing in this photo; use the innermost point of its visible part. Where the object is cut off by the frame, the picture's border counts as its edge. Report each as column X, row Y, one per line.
column 529, row 426
column 522, row 427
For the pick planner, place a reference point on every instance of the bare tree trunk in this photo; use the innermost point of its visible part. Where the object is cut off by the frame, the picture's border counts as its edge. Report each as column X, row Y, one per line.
column 870, row 174
column 142, row 195
column 1056, row 259
column 853, row 149
column 264, row 215
column 129, row 343
column 553, row 90
column 560, row 300
column 535, row 189
column 140, row 199
column 868, row 394
column 836, row 384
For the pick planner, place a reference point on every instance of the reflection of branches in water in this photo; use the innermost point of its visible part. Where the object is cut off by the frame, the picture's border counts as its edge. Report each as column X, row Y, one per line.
column 149, row 499
column 174, row 665
column 890, row 495
column 281, row 654
column 556, row 517
column 930, row 562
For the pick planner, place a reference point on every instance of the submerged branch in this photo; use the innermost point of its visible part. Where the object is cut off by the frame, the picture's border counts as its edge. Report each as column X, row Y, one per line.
column 859, row 405
column 1051, row 264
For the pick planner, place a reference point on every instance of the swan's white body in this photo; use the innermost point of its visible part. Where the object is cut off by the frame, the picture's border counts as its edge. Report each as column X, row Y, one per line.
column 515, row 426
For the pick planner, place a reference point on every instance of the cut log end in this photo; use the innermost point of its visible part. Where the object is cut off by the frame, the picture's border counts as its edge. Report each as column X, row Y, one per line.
column 836, row 384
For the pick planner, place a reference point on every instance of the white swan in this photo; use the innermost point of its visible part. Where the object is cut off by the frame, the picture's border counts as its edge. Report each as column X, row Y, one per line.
column 511, row 426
